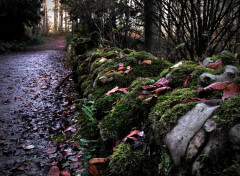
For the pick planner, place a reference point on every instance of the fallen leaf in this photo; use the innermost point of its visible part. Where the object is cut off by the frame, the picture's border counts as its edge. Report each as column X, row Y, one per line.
column 111, row 71
column 22, row 167
column 103, row 59
column 29, row 147
column 216, row 86
column 65, row 173
column 17, row 98
column 213, row 102
column 193, row 99
column 54, row 171
column 149, row 87
column 51, row 150
column 151, row 100
column 128, row 71
column 200, row 63
column 162, row 82
column 186, row 81
column 112, row 91
column 10, row 87
column 231, row 90
column 98, row 160
column 121, row 68
column 132, row 133
column 216, row 65
column 6, row 102
column 148, row 62
column 116, row 145
column 93, row 170
column 177, row 65
column 161, row 89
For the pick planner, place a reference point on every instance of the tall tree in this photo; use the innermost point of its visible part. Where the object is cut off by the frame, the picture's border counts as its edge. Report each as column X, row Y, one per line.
column 56, row 2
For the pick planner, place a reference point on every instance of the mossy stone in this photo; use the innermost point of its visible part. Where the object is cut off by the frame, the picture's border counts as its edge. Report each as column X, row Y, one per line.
column 125, row 161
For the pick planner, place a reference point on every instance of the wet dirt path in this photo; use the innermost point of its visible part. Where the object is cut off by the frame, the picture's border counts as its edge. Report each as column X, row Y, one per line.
column 29, row 106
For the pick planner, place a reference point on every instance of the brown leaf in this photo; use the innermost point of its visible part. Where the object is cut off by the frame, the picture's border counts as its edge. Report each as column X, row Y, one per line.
column 128, row 71
column 231, row 90
column 121, row 68
column 134, row 132
column 10, row 87
column 51, row 150
column 162, row 82
column 186, row 81
column 93, row 170
column 193, row 99
column 65, row 173
column 112, row 91
column 98, row 160
column 145, row 62
column 216, row 86
column 111, row 71
column 54, row 171
column 213, row 102
column 200, row 63
column 216, row 65
column 161, row 89
column 151, row 100
column 149, row 87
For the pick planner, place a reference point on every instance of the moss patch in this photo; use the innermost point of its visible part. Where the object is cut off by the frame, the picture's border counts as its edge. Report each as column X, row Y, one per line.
column 229, row 112
column 169, row 109
column 126, row 162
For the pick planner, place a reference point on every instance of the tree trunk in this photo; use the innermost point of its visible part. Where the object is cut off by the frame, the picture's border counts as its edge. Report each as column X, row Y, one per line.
column 55, row 16
column 60, row 29
column 150, row 29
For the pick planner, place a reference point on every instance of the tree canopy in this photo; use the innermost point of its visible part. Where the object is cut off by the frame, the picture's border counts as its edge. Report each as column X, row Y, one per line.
column 16, row 14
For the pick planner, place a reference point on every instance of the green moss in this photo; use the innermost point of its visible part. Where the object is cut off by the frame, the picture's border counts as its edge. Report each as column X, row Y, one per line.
column 127, row 51
column 129, row 113
column 228, row 113
column 169, row 109
column 236, row 80
column 105, row 104
column 126, row 162
column 228, row 58
column 232, row 170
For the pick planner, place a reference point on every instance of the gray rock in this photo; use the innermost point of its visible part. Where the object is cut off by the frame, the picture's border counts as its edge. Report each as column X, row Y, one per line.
column 206, row 62
column 230, row 73
column 177, row 140
column 215, row 145
column 194, row 145
column 234, row 134
column 210, row 125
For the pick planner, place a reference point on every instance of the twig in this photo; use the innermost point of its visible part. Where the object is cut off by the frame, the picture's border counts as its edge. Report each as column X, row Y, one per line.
column 63, row 81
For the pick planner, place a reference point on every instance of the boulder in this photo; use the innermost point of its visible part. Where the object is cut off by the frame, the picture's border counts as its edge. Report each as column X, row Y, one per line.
column 177, row 140
column 230, row 73
column 234, row 134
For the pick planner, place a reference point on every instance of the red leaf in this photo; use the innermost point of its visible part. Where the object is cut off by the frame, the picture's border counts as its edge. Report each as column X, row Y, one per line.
column 151, row 100
column 216, row 65
column 124, row 90
column 186, row 81
column 116, row 145
column 98, row 160
column 216, row 86
column 65, row 173
column 193, row 99
column 128, row 71
column 111, row 71
column 163, row 82
column 231, row 90
column 161, row 89
column 149, row 87
column 112, row 91
column 200, row 63
column 10, row 87
column 54, row 171
column 144, row 94
column 93, row 170
column 131, row 134
column 121, row 68
column 149, row 62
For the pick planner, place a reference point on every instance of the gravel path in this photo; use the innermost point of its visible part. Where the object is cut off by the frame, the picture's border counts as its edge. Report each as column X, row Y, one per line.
column 29, row 106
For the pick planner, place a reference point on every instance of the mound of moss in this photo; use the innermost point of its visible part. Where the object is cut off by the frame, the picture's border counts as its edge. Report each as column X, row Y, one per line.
column 125, row 161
